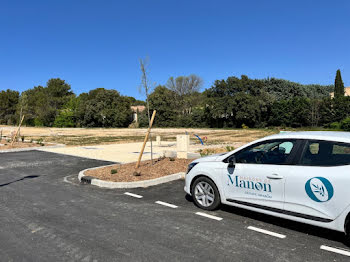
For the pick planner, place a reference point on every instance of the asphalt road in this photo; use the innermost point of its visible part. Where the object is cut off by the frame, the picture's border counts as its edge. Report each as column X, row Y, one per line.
column 46, row 215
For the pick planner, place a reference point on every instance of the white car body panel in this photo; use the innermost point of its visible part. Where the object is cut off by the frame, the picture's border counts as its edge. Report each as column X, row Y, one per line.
column 291, row 192
column 255, row 178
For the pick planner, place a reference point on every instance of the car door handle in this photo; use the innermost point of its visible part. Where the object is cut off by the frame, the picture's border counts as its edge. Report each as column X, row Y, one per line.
column 274, row 176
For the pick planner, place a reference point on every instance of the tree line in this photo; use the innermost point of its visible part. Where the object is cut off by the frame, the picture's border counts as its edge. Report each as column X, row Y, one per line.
column 244, row 102
column 234, row 102
column 55, row 105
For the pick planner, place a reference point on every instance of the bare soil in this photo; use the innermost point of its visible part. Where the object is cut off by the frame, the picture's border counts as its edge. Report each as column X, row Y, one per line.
column 95, row 136
column 5, row 145
column 147, row 171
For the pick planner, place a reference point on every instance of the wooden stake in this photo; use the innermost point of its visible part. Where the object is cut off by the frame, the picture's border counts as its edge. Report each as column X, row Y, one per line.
column 14, row 138
column 146, row 138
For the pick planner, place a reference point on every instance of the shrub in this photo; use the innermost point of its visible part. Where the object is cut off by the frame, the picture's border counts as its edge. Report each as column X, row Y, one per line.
column 230, row 148
column 345, row 124
column 114, row 171
column 65, row 118
column 244, row 126
column 335, row 125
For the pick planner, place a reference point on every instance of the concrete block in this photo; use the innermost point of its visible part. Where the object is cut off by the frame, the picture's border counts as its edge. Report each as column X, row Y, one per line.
column 182, row 143
column 158, row 142
column 168, row 153
column 193, row 155
column 183, row 155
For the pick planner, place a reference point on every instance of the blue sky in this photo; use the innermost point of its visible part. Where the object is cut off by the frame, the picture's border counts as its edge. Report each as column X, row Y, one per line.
column 95, row 44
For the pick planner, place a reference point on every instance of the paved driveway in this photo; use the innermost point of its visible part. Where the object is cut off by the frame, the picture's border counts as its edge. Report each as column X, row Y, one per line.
column 44, row 218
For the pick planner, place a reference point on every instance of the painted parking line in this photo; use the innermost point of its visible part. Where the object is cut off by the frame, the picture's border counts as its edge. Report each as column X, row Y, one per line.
column 166, row 204
column 208, row 216
column 260, row 230
column 133, row 195
column 336, row 250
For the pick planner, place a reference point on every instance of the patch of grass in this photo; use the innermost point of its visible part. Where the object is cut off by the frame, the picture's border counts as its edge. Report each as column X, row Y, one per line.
column 230, row 148
column 40, row 141
column 91, row 140
column 211, row 151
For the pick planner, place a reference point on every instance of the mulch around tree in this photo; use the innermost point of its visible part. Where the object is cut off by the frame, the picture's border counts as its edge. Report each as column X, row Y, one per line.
column 146, row 171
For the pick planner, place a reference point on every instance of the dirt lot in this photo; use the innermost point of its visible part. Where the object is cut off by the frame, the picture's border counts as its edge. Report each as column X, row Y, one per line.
column 146, row 171
column 95, row 136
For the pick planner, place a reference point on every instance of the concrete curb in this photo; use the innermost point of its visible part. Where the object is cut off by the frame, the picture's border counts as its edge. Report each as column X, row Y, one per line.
column 108, row 184
column 30, row 148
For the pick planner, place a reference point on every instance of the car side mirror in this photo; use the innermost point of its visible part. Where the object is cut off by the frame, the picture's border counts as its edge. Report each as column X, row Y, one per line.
column 232, row 162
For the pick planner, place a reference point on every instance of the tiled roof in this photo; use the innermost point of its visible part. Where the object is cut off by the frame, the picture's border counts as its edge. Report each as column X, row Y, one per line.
column 138, row 108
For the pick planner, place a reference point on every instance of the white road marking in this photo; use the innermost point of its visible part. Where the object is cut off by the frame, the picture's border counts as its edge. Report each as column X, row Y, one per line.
column 208, row 216
column 336, row 250
column 133, row 195
column 166, row 204
column 36, row 229
column 266, row 232
column 65, row 179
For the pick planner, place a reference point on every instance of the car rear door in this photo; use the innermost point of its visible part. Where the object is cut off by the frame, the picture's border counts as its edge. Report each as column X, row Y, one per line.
column 318, row 186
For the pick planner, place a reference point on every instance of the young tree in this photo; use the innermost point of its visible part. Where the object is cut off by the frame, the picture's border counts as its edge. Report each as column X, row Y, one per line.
column 146, row 87
column 338, row 85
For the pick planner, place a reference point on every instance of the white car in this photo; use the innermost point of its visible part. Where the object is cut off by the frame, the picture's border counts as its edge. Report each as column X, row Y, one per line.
column 302, row 176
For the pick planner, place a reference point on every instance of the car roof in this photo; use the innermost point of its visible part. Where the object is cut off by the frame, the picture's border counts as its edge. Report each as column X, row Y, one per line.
column 316, row 135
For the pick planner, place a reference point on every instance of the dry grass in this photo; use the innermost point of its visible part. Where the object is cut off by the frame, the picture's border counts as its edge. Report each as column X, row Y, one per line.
column 94, row 136
column 5, row 144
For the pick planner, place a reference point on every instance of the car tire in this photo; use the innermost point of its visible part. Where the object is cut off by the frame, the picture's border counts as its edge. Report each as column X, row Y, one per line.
column 347, row 230
column 205, row 193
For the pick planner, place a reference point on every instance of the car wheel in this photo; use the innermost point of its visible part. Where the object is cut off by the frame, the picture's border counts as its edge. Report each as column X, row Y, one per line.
column 205, row 194
column 347, row 230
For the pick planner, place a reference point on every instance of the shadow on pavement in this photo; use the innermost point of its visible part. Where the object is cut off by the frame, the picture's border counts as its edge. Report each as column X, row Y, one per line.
column 23, row 178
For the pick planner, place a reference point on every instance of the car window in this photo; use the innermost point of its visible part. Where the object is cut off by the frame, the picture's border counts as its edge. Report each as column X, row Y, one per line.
column 326, row 153
column 272, row 152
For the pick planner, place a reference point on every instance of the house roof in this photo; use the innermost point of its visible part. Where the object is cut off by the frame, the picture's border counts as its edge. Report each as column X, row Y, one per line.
column 139, row 109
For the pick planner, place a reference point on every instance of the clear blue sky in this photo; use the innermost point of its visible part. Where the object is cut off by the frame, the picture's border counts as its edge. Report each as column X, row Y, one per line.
column 94, row 44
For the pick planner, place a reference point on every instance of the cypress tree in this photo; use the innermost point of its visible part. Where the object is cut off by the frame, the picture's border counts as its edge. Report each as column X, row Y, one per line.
column 338, row 85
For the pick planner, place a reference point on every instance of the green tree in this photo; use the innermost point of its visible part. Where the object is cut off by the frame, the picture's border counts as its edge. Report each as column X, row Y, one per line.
column 36, row 107
column 162, row 100
column 8, row 104
column 104, row 108
column 338, row 85
column 41, row 105
column 58, row 91
column 67, row 116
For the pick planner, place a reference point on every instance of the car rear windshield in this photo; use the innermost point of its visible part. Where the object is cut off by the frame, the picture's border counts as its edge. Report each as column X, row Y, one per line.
column 326, row 153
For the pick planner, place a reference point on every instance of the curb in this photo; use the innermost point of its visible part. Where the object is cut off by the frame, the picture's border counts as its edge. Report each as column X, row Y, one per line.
column 108, row 184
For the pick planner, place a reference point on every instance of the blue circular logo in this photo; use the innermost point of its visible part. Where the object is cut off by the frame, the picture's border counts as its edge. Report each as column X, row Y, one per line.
column 319, row 189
